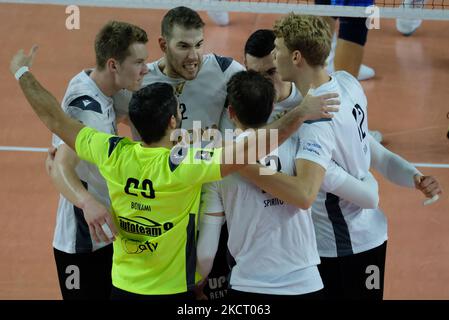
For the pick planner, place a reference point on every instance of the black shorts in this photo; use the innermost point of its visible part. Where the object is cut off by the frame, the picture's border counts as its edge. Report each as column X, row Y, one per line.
column 357, row 276
column 351, row 29
column 85, row 276
column 119, row 294
column 235, row 295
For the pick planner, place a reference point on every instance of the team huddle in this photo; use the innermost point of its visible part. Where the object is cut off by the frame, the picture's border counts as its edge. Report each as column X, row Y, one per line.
column 154, row 217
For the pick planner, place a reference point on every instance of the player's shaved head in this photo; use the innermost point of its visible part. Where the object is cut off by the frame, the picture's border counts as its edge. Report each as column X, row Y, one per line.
column 180, row 16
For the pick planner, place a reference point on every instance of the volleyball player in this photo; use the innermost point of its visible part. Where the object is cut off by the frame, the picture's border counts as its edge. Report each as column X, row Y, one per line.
column 349, row 238
column 200, row 84
column 79, row 239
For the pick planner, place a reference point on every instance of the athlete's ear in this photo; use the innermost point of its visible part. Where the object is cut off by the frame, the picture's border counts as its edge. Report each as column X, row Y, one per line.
column 172, row 123
column 297, row 58
column 231, row 113
column 112, row 65
column 162, row 44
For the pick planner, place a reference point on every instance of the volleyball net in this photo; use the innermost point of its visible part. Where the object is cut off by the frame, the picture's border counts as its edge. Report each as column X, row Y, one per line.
column 413, row 9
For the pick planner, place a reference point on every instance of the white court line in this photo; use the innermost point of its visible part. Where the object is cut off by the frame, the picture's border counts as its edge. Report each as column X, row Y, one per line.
column 431, row 165
column 398, row 133
column 30, row 149
column 26, row 149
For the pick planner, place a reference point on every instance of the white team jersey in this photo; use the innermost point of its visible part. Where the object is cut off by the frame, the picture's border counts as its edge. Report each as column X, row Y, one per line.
column 293, row 100
column 273, row 243
column 85, row 102
column 342, row 228
column 201, row 99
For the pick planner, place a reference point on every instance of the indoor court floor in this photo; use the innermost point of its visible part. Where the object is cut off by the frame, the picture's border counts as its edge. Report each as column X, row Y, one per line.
column 408, row 102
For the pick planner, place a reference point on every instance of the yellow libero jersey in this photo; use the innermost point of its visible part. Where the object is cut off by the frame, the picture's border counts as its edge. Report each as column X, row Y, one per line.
column 155, row 195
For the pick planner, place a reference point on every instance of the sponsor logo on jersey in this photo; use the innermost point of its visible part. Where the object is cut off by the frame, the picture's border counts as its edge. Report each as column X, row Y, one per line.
column 144, row 226
column 217, row 287
column 273, row 202
column 179, row 88
column 135, row 247
column 86, row 102
column 312, row 147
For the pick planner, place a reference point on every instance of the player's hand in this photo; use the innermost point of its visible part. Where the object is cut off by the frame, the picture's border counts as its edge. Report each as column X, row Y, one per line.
column 50, row 159
column 99, row 220
column 22, row 60
column 199, row 290
column 319, row 107
column 428, row 185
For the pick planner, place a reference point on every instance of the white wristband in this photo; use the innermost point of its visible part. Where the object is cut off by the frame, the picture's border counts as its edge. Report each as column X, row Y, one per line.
column 21, row 71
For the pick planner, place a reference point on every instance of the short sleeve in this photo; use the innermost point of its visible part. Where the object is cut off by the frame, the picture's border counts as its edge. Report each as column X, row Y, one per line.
column 317, row 142
column 335, row 176
column 233, row 68
column 94, row 146
column 86, row 110
column 211, row 201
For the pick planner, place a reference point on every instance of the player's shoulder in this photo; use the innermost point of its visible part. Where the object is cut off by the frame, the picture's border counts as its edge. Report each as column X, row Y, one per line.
column 109, row 141
column 223, row 63
column 83, row 94
column 351, row 86
column 347, row 80
column 153, row 66
column 118, row 143
column 155, row 74
column 81, row 82
column 85, row 103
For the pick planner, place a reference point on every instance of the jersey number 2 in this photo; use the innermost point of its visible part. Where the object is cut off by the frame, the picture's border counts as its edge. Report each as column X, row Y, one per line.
column 183, row 110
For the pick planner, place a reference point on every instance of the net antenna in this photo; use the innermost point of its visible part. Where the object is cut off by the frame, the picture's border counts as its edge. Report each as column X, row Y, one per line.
column 431, row 10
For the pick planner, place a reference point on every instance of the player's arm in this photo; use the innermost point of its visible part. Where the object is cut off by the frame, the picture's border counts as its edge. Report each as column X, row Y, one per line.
column 363, row 193
column 43, row 102
column 319, row 107
column 67, row 182
column 212, row 219
column 400, row 171
column 208, row 240
column 300, row 190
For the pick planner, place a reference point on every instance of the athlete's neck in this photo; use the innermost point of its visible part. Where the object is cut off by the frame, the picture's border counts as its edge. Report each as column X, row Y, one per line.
column 311, row 77
column 167, row 70
column 165, row 142
column 286, row 90
column 104, row 82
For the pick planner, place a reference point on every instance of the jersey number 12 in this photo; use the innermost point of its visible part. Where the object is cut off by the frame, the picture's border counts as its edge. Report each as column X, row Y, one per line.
column 359, row 116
